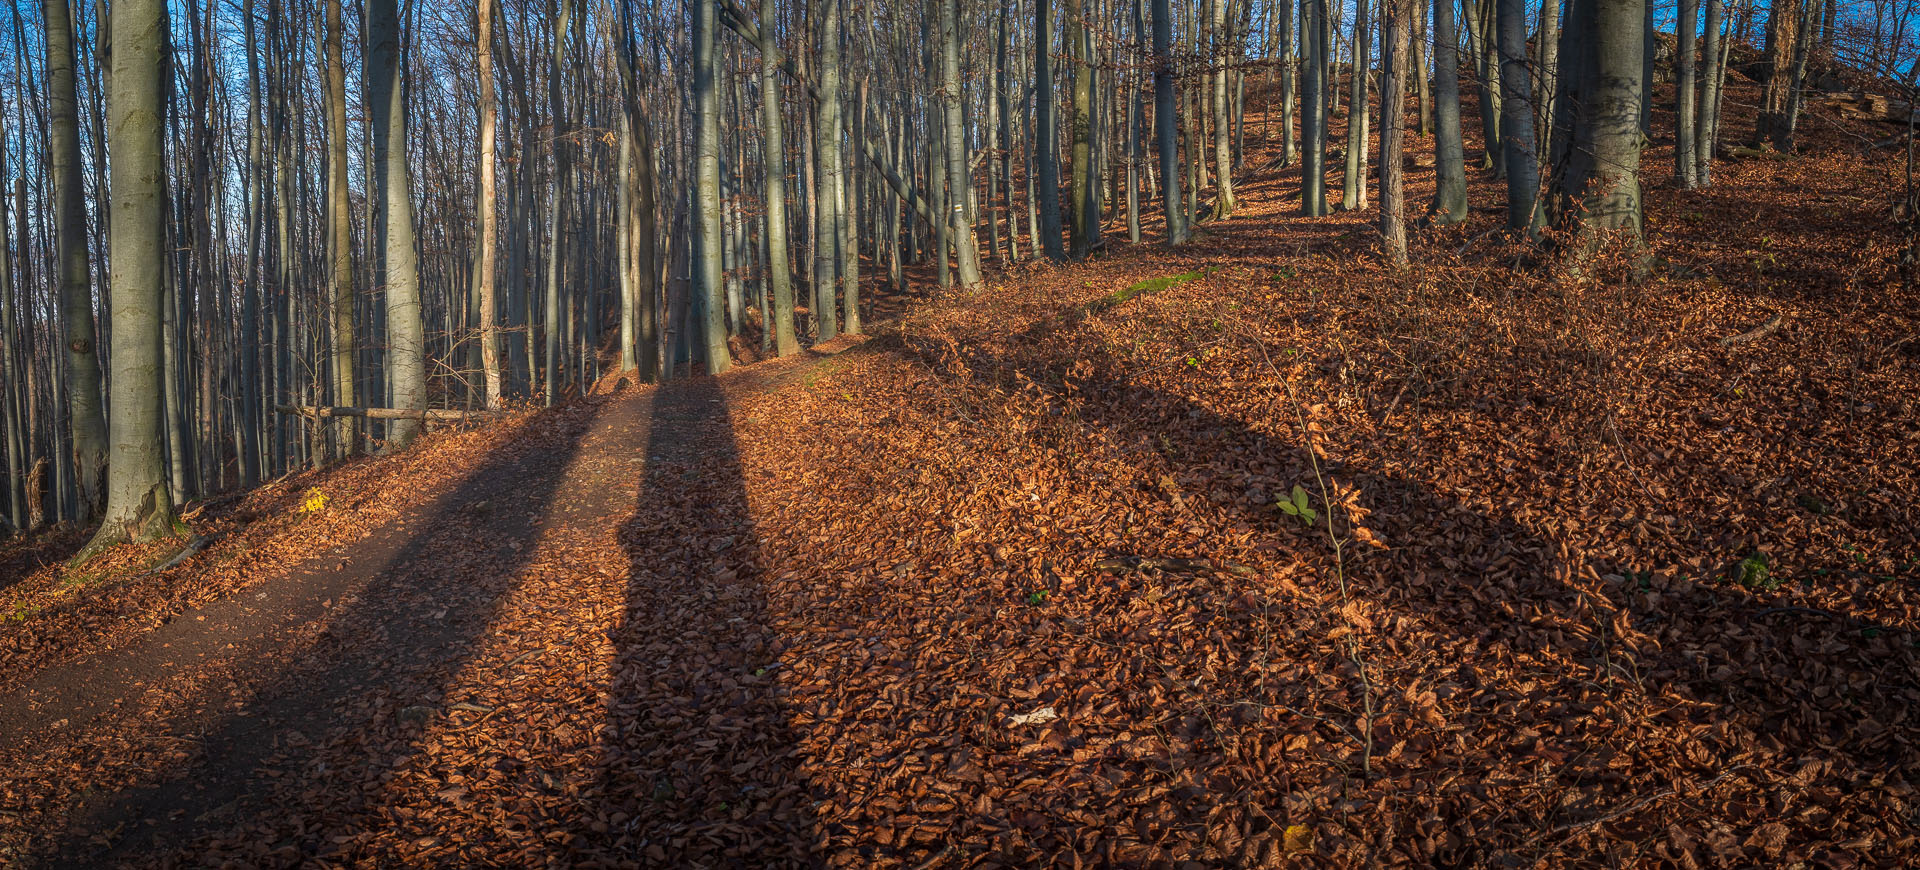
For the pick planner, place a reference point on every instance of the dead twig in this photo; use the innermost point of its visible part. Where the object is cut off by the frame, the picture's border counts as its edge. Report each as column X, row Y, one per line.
column 1762, row 331
column 1574, row 829
column 198, row 543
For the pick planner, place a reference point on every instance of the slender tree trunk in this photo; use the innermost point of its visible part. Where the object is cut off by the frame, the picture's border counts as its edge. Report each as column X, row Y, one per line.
column 1449, row 204
column 1685, row 164
column 551, row 316
column 139, row 503
column 846, row 222
column 826, row 131
column 1707, row 119
column 87, row 421
column 709, row 290
column 1418, row 71
column 1393, row 130
column 1353, row 182
column 1289, row 83
column 1479, row 17
column 1546, row 73
column 1082, row 188
column 1002, row 91
column 1164, row 123
column 955, row 151
column 1224, row 204
column 485, row 246
column 1313, row 109
column 1046, row 155
column 12, row 364
column 1136, row 123
column 387, row 107
column 774, row 153
column 1516, row 122
column 340, row 219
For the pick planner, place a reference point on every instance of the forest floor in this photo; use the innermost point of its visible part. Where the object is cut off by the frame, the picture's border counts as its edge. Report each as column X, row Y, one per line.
column 1297, row 562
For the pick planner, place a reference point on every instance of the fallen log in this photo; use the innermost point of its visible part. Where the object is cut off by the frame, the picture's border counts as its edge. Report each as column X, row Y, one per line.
column 437, row 414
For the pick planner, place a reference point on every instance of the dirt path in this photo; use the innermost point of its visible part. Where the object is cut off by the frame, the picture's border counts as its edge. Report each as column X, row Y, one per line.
column 345, row 660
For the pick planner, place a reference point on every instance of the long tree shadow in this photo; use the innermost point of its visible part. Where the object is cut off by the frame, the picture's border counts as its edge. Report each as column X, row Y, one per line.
column 1621, row 680
column 697, row 758
column 400, row 617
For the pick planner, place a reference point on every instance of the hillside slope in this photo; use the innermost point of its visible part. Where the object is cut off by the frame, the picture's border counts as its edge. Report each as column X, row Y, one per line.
column 1296, row 561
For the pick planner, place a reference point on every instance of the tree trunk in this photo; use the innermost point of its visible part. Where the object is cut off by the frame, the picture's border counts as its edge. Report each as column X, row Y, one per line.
column 1516, row 122
column 1449, row 204
column 1685, row 162
column 826, row 147
column 1479, row 15
column 1353, row 182
column 1136, row 123
column 387, row 106
column 1046, row 156
column 709, row 289
column 1224, row 204
column 340, row 216
column 1313, row 112
column 1003, row 87
column 774, row 152
column 1546, row 72
column 955, row 151
column 1083, row 191
column 139, row 503
column 1417, row 39
column 1707, row 121
column 87, row 422
column 1289, row 84
column 1597, row 158
column 1776, row 97
column 484, row 245
column 1393, row 130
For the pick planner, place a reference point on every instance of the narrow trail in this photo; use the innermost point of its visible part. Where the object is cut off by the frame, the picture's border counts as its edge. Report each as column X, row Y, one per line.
column 348, row 661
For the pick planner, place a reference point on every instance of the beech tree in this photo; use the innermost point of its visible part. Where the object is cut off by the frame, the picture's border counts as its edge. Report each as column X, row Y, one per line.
column 139, row 502
column 1597, row 150
column 1449, row 158
column 88, row 423
column 387, row 107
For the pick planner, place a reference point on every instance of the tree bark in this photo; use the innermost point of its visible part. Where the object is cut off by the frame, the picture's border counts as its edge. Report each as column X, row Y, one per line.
column 485, row 246
column 955, row 150
column 1776, row 96
column 1516, row 122
column 340, row 218
column 1597, row 157
column 1707, row 120
column 1353, row 182
column 1046, row 156
column 1083, row 193
column 774, row 153
column 1313, row 111
column 1224, row 204
column 826, row 172
column 708, row 287
column 1449, row 204
column 87, row 422
column 1685, row 163
column 139, row 503
column 1393, row 131
column 387, row 106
